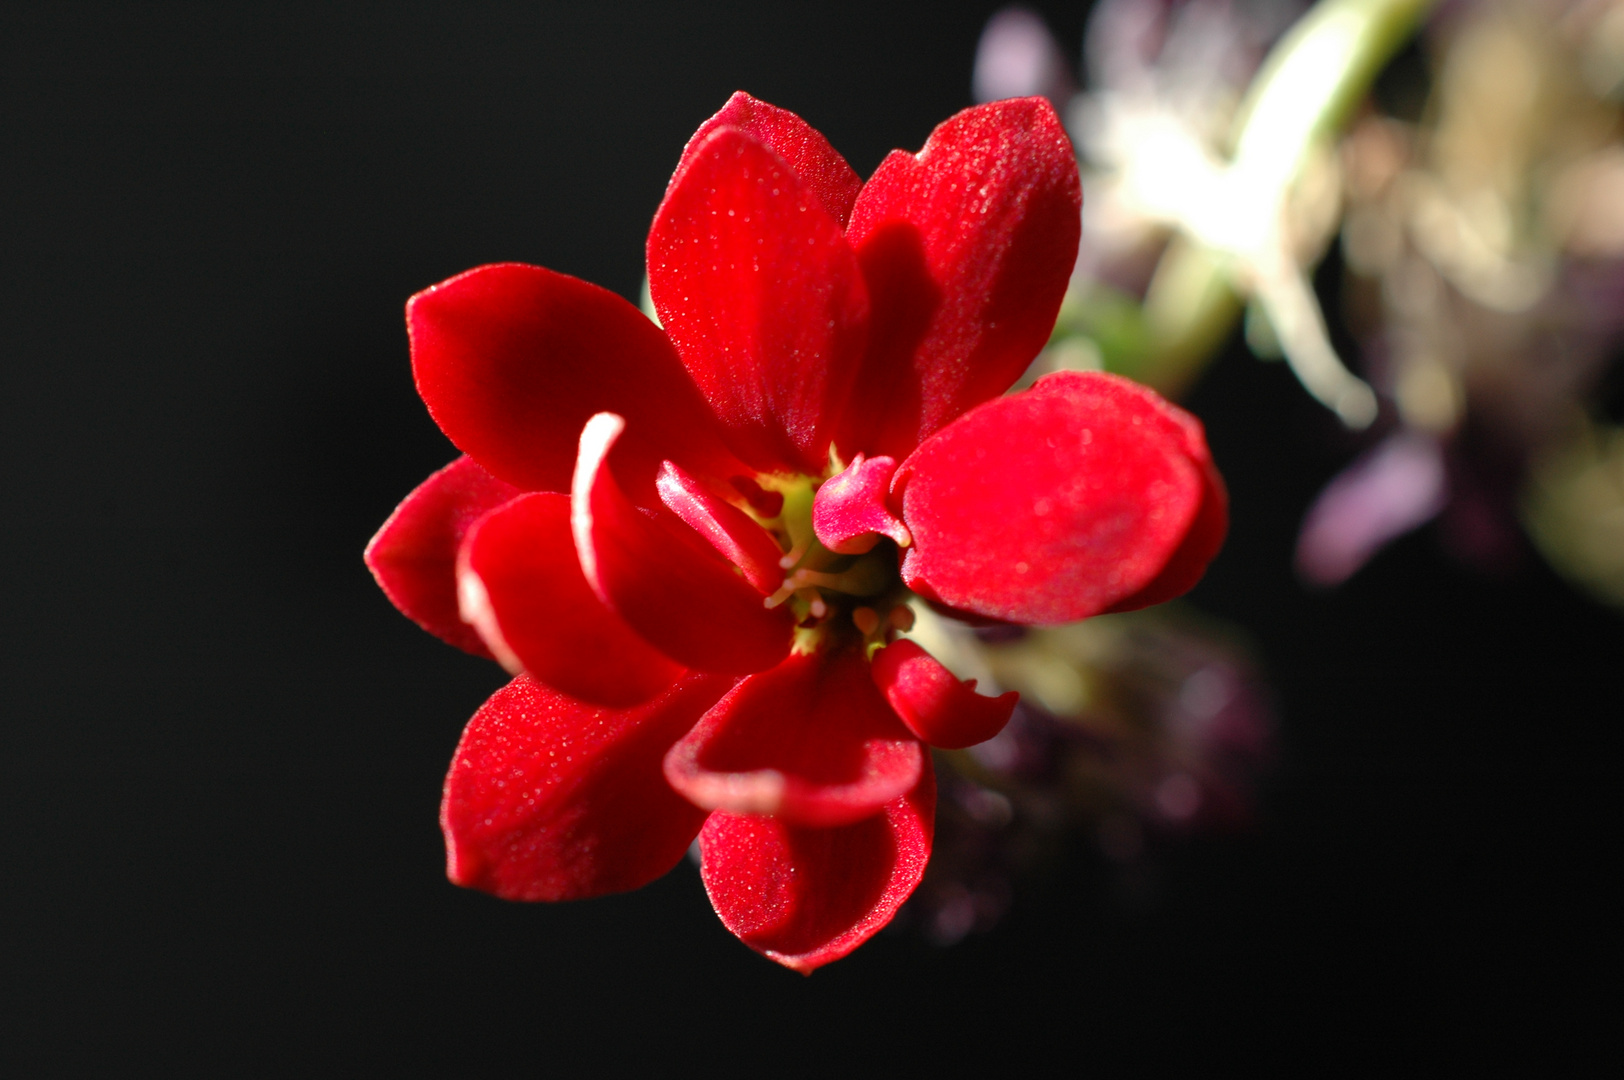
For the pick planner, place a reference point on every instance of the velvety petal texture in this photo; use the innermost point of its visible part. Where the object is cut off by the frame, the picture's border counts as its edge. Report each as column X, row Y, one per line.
column 804, row 897
column 414, row 555
column 522, row 589
column 804, row 149
column 762, row 296
column 1051, row 505
column 851, row 510
column 967, row 247
column 512, row 360
column 681, row 597
column 1206, row 533
column 811, row 741
column 702, row 621
column 1201, row 543
column 933, row 703
column 552, row 799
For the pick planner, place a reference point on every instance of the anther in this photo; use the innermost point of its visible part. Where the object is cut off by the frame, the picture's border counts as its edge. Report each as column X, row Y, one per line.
column 901, row 618
column 866, row 619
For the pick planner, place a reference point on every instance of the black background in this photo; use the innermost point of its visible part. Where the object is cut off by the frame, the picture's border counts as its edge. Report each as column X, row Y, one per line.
column 222, row 749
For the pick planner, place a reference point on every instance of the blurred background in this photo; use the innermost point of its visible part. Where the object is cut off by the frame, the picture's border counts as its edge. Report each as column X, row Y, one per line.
column 1350, row 797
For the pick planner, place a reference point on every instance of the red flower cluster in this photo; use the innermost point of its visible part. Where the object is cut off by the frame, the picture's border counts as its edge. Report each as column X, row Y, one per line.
column 695, row 546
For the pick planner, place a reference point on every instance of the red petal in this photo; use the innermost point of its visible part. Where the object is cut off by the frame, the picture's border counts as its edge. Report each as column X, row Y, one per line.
column 1211, row 525
column 1200, row 544
column 680, row 596
column 762, row 296
column 966, row 247
column 804, row 149
column 414, row 555
column 522, row 589
column 732, row 532
column 766, row 504
column 931, row 700
column 1051, row 505
column 804, row 896
column 811, row 740
column 512, row 360
column 850, row 511
column 551, row 799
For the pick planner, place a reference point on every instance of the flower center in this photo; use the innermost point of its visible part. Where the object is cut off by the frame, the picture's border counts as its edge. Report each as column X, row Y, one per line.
column 834, row 597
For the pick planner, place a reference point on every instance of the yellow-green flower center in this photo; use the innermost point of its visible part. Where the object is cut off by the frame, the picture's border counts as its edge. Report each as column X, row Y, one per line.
column 834, row 597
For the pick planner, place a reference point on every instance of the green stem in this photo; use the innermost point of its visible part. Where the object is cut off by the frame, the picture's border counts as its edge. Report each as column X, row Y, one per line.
column 1302, row 96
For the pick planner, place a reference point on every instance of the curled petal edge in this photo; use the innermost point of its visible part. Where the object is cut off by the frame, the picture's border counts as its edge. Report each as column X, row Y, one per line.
column 811, row 741
column 521, row 587
column 678, row 594
column 933, row 703
column 805, row 896
column 850, row 512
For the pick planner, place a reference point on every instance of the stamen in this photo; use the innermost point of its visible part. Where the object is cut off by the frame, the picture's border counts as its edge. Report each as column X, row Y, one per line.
column 819, row 608
column 866, row 619
column 785, row 591
column 866, row 578
column 795, row 554
column 816, row 577
column 901, row 618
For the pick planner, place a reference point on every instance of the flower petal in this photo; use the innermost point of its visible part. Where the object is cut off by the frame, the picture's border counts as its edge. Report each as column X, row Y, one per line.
column 675, row 591
column 414, row 555
column 849, row 512
column 966, row 247
column 804, row 149
column 732, row 532
column 521, row 587
column 1054, row 504
column 1200, row 546
column 811, row 741
column 762, row 297
column 805, row 896
column 1206, row 534
column 932, row 701
column 552, row 799
column 512, row 360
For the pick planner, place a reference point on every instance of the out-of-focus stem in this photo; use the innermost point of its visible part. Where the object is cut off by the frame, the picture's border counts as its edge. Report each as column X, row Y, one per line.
column 1311, row 80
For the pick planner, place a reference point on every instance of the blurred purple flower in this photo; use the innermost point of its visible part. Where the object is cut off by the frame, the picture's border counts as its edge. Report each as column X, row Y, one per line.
column 1018, row 57
column 1397, row 486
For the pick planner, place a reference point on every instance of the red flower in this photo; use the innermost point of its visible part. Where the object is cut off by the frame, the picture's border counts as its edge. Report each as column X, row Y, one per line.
column 689, row 545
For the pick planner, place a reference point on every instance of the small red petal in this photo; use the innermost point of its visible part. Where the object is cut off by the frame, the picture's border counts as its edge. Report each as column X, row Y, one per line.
column 734, row 534
column 1051, row 505
column 414, row 555
column 804, row 896
column 512, row 360
column 804, row 149
column 677, row 593
column 966, row 247
column 811, row 741
column 551, row 799
column 849, row 513
column 523, row 590
column 762, row 297
column 932, row 701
